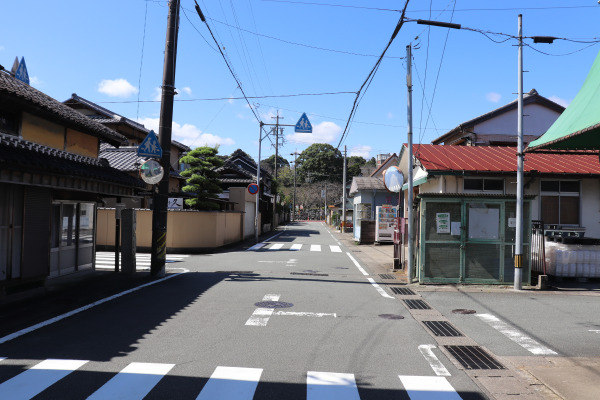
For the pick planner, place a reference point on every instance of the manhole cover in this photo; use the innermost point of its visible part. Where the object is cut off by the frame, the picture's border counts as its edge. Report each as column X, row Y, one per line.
column 273, row 304
column 417, row 305
column 442, row 328
column 463, row 311
column 403, row 291
column 473, row 357
column 342, row 268
column 391, row 316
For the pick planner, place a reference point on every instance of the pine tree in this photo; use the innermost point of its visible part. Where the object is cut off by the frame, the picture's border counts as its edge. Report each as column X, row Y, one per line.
column 202, row 178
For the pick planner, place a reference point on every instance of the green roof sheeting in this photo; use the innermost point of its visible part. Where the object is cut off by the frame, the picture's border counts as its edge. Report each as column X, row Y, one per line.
column 416, row 182
column 578, row 127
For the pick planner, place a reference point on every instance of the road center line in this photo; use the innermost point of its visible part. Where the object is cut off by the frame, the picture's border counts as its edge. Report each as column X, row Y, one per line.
column 305, row 314
column 515, row 335
column 434, row 362
column 357, row 264
column 379, row 289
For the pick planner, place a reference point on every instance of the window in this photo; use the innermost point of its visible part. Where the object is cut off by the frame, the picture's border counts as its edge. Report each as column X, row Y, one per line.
column 9, row 123
column 483, row 185
column 560, row 202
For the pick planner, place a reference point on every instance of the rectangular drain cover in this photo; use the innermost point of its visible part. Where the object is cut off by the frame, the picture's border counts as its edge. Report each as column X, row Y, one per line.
column 417, row 305
column 308, row 273
column 404, row 291
column 387, row 276
column 474, row 357
column 442, row 328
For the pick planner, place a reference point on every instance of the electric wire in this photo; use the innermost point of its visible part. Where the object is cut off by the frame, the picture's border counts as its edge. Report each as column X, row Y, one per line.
column 196, row 29
column 141, row 61
column 372, row 74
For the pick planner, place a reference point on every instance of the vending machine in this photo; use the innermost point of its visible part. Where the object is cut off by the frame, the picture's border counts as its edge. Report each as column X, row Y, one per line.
column 385, row 223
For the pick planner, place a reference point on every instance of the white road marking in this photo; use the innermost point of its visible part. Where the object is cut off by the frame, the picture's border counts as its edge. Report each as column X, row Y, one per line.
column 515, row 335
column 276, row 246
column 134, row 382
column 296, row 246
column 428, row 388
column 379, row 289
column 357, row 264
column 256, row 246
column 315, row 247
column 306, row 314
column 231, row 383
column 335, row 249
column 434, row 362
column 84, row 308
column 595, row 330
column 38, row 378
column 331, row 386
column 260, row 316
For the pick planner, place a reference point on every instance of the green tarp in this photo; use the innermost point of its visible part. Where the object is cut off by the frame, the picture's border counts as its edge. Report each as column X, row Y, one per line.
column 578, row 127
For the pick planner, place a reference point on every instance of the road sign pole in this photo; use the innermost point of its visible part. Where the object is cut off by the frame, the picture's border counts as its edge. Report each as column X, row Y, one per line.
column 160, row 201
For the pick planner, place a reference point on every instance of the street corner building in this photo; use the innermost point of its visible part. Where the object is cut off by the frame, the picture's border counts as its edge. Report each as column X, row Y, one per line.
column 51, row 180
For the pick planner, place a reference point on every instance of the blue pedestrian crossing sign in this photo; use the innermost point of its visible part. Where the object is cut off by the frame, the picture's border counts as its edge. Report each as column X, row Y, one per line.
column 21, row 73
column 150, row 147
column 303, row 125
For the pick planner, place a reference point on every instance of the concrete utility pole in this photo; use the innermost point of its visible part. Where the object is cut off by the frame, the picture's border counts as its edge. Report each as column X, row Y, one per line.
column 277, row 133
column 295, row 166
column 343, row 224
column 520, row 156
column 160, row 202
column 409, row 177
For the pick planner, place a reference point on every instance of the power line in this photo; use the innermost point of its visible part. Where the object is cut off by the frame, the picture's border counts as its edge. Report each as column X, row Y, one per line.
column 372, row 75
column 141, row 61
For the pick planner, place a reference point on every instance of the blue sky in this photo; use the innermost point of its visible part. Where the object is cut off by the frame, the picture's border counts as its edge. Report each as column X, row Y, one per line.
column 111, row 52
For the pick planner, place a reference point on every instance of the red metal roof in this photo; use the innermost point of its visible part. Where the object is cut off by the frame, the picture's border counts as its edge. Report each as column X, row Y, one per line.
column 501, row 159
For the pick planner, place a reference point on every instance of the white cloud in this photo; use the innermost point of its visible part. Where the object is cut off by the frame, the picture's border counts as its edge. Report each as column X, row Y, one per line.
column 231, row 100
column 325, row 132
column 390, row 115
column 493, row 97
column 35, row 81
column 157, row 94
column 187, row 90
column 117, row 88
column 362, row 151
column 559, row 100
column 188, row 134
column 2, row 47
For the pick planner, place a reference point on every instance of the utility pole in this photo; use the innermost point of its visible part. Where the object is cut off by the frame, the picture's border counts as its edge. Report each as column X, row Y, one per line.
column 160, row 201
column 343, row 223
column 409, row 261
column 256, row 225
column 295, row 153
column 276, row 131
column 519, row 228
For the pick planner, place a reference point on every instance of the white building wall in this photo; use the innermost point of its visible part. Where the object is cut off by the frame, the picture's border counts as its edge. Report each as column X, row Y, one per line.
column 536, row 121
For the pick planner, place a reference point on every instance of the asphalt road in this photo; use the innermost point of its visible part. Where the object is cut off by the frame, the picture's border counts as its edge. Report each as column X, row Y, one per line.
column 297, row 317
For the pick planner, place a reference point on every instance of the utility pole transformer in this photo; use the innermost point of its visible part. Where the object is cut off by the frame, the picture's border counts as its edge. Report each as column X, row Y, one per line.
column 160, row 201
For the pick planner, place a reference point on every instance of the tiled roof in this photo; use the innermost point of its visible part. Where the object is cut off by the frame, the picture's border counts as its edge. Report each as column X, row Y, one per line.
column 495, row 159
column 123, row 158
column 16, row 153
column 29, row 99
column 366, row 183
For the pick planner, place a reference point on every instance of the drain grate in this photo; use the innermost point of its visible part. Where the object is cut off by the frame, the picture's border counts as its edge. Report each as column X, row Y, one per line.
column 308, row 273
column 404, row 291
column 417, row 305
column 474, row 357
column 442, row 328
column 387, row 276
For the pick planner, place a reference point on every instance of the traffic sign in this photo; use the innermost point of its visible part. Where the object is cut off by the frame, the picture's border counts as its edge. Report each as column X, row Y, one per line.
column 21, row 73
column 150, row 147
column 303, row 125
column 253, row 188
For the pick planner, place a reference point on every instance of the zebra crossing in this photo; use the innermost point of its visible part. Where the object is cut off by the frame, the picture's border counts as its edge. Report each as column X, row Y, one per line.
column 106, row 260
column 137, row 380
column 295, row 247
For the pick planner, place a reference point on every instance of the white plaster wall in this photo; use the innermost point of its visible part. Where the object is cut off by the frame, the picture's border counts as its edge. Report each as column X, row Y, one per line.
column 590, row 207
column 536, row 121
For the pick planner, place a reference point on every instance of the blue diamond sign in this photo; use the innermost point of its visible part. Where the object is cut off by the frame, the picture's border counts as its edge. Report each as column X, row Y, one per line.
column 150, row 147
column 21, row 73
column 303, row 125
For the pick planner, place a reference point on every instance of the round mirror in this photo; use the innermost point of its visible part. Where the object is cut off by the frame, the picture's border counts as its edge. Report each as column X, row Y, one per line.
column 393, row 179
column 151, row 172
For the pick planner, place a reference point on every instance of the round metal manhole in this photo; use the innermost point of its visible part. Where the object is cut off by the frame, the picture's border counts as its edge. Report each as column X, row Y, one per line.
column 273, row 304
column 391, row 316
column 463, row 311
column 342, row 268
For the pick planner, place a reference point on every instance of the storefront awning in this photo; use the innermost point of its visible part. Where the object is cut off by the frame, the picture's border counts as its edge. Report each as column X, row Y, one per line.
column 578, row 127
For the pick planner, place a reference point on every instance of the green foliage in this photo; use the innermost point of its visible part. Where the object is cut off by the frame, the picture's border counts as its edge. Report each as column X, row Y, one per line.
column 353, row 166
column 202, row 179
column 269, row 164
column 320, row 163
column 372, row 162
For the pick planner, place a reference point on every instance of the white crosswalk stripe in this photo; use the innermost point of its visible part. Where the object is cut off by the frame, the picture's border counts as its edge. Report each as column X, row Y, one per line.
column 138, row 379
column 106, row 260
column 294, row 247
column 38, row 378
column 134, row 382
